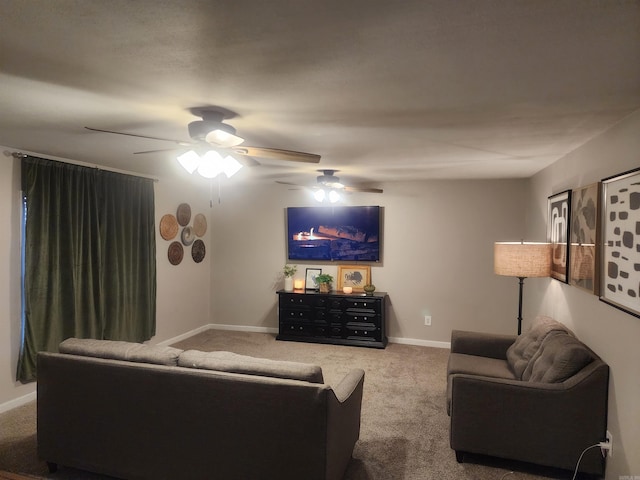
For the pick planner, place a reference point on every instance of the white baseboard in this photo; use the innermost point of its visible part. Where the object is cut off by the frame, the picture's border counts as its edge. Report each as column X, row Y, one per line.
column 184, row 336
column 242, row 328
column 420, row 343
column 215, row 326
column 17, row 402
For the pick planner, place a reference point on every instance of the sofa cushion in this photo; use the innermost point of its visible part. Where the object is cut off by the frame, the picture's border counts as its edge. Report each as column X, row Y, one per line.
column 234, row 363
column 119, row 350
column 526, row 345
column 475, row 365
column 559, row 358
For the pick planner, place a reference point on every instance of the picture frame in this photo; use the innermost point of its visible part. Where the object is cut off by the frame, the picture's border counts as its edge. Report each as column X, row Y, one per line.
column 558, row 229
column 310, row 278
column 620, row 244
column 584, row 270
column 355, row 276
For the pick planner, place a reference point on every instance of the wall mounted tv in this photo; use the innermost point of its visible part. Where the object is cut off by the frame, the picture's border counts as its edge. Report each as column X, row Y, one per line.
column 333, row 233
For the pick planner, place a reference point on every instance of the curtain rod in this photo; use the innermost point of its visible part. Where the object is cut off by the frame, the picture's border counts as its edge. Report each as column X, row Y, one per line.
column 83, row 164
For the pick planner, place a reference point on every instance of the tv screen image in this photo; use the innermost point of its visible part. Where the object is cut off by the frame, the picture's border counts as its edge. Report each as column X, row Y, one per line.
column 333, row 233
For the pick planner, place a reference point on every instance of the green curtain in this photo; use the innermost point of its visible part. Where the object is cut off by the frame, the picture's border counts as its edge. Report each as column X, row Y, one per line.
column 89, row 257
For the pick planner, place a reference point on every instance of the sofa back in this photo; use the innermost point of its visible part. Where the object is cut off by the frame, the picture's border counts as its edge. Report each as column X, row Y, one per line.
column 143, row 420
column 217, row 360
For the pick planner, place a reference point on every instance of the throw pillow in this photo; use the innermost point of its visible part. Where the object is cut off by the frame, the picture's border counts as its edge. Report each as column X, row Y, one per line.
column 526, row 345
column 560, row 357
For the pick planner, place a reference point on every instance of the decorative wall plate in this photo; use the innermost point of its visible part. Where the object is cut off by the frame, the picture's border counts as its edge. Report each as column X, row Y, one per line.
column 200, row 225
column 175, row 253
column 168, row 226
column 184, row 214
column 198, row 251
column 187, row 236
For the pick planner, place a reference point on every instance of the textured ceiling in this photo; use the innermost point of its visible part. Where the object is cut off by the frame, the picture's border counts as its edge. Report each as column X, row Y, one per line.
column 416, row 89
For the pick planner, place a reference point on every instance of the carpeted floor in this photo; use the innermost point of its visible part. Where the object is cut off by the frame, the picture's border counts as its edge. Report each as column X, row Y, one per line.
column 405, row 428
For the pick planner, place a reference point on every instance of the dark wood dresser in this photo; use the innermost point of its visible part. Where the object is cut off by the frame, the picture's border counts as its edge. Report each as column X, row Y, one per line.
column 337, row 318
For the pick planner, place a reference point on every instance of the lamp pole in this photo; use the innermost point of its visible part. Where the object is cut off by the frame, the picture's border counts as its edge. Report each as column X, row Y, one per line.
column 521, row 282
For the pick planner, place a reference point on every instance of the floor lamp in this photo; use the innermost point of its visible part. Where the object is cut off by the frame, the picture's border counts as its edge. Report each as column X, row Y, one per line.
column 522, row 260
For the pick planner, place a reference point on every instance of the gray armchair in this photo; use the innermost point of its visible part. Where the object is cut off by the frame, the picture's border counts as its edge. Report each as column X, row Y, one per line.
column 539, row 398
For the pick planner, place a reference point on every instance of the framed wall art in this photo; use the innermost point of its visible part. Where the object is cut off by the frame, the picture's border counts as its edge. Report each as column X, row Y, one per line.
column 310, row 278
column 585, row 232
column 620, row 255
column 355, row 276
column 559, row 218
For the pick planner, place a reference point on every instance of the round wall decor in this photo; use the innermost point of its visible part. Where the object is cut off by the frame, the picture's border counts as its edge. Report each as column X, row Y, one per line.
column 168, row 226
column 184, row 214
column 200, row 225
column 198, row 251
column 175, row 253
column 187, row 236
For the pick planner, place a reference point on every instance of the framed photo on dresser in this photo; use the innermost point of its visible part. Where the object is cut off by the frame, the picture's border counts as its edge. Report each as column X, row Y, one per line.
column 310, row 278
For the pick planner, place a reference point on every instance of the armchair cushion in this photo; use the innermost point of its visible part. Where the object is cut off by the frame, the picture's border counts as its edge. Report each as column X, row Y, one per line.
column 559, row 358
column 527, row 345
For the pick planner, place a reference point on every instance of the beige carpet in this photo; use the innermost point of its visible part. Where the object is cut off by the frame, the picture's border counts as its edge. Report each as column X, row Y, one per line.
column 405, row 428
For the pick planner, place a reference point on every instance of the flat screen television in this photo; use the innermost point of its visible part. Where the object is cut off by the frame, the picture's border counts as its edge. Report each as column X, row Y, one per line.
column 338, row 233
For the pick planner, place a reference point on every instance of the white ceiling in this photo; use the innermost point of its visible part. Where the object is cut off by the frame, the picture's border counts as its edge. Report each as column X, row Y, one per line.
column 414, row 89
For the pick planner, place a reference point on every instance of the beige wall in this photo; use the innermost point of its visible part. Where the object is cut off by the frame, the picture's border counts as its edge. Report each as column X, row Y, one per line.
column 183, row 291
column 437, row 254
column 613, row 334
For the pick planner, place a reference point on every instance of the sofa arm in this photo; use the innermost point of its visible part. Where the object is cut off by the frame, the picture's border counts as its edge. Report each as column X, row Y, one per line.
column 481, row 344
column 544, row 423
column 349, row 384
column 343, row 423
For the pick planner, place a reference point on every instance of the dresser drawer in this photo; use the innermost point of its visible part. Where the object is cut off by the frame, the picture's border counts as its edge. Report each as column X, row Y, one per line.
column 362, row 316
column 363, row 303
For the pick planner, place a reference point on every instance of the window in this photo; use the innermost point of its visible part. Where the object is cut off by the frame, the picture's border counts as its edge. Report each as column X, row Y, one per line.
column 89, row 266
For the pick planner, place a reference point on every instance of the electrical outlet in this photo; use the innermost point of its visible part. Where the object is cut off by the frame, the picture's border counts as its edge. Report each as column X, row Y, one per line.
column 427, row 320
column 610, row 442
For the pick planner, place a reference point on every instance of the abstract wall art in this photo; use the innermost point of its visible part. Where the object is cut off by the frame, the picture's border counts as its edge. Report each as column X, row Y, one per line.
column 620, row 262
column 559, row 218
column 585, row 229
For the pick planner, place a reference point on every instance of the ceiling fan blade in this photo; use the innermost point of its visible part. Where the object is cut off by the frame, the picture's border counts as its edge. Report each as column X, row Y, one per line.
column 292, row 184
column 363, row 189
column 157, row 151
column 249, row 161
column 277, row 154
column 179, row 142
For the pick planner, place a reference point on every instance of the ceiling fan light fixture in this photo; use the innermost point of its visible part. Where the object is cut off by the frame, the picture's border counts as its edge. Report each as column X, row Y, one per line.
column 334, row 196
column 230, row 166
column 223, row 138
column 210, row 164
column 322, row 195
column 189, row 160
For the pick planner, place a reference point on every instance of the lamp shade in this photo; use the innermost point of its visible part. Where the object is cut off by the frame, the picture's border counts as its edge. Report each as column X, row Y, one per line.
column 522, row 259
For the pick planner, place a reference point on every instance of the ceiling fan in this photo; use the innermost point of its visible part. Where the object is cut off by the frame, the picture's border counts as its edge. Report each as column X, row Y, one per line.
column 211, row 131
column 329, row 181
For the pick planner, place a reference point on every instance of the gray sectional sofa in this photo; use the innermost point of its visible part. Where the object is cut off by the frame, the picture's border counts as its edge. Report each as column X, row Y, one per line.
column 540, row 397
column 146, row 412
